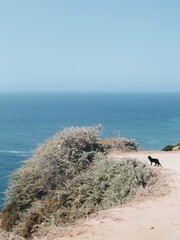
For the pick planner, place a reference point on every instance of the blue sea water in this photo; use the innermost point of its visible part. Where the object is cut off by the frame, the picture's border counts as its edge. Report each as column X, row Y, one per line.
column 28, row 119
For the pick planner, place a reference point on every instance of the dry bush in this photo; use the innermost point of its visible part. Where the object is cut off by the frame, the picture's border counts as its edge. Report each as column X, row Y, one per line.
column 60, row 158
column 67, row 178
column 119, row 144
column 4, row 235
column 108, row 184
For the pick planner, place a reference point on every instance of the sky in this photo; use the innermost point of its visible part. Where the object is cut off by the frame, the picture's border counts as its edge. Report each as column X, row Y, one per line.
column 90, row 45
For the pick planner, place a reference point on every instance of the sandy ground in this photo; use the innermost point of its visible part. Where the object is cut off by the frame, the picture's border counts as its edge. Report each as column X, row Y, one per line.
column 152, row 219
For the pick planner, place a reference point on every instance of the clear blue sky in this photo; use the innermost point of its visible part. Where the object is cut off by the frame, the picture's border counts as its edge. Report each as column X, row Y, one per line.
column 94, row 45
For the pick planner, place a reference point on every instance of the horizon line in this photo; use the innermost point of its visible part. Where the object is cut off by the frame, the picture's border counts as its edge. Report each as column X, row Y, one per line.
column 84, row 91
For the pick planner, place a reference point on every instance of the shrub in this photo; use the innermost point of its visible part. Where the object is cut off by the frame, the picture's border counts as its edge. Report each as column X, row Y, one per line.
column 168, row 148
column 172, row 147
column 119, row 144
column 110, row 183
column 68, row 177
column 60, row 158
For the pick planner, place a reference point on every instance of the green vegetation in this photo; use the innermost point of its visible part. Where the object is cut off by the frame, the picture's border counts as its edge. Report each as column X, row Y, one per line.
column 168, row 148
column 69, row 177
column 172, row 147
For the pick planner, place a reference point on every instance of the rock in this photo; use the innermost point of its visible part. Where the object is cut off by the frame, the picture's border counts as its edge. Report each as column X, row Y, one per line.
column 176, row 148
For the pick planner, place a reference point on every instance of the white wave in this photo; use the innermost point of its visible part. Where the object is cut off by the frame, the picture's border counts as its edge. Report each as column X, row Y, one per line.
column 16, row 152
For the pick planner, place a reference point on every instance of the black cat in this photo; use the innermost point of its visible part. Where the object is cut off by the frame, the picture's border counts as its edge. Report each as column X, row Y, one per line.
column 154, row 160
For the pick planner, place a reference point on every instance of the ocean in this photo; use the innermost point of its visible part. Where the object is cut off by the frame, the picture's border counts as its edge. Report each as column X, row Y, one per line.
column 28, row 119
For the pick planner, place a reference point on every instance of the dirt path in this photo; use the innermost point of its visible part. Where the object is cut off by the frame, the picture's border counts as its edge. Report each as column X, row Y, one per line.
column 155, row 219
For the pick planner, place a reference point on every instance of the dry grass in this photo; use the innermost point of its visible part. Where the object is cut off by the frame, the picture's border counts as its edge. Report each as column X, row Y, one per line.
column 68, row 177
column 119, row 144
